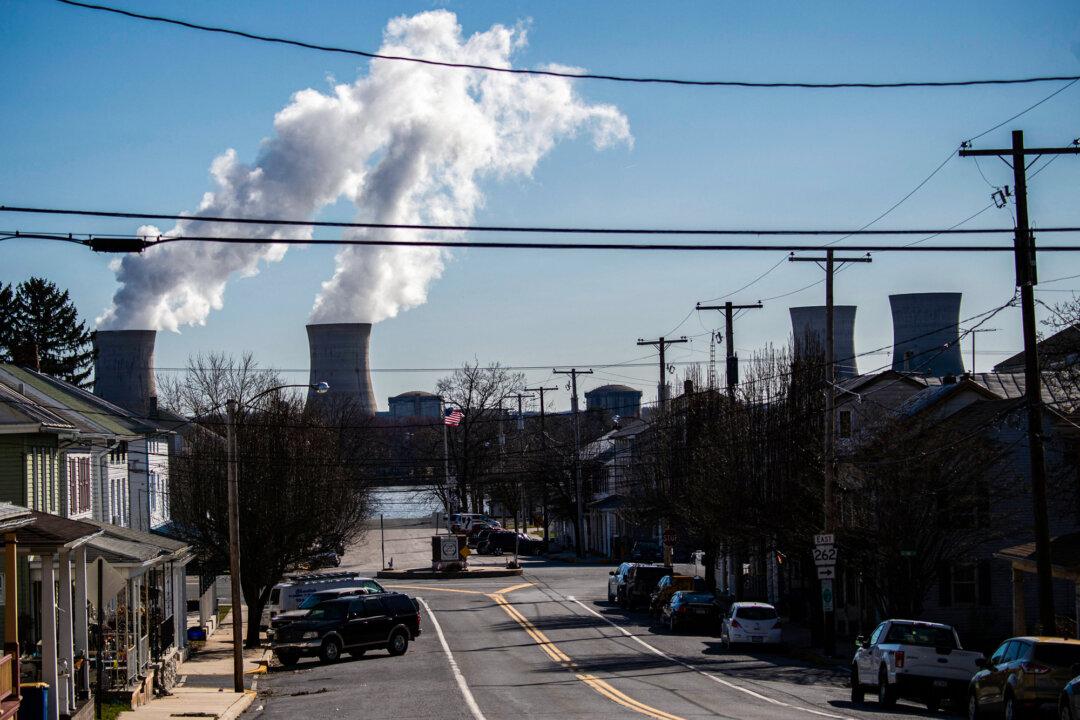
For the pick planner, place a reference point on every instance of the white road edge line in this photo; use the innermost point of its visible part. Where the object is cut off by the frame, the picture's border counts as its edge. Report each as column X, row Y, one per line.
column 470, row 701
column 712, row 677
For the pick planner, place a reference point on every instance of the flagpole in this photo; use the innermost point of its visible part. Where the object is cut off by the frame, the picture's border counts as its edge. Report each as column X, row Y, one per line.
column 446, row 456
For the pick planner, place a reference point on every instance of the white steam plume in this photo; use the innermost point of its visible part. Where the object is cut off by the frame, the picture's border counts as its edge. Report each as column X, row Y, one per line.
column 408, row 143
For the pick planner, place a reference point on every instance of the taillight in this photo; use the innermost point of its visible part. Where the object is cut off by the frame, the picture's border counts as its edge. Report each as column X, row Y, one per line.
column 1034, row 668
column 682, row 608
column 898, row 658
column 735, row 624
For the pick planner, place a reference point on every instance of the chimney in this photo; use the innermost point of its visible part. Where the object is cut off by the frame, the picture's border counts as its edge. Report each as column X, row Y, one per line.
column 339, row 357
column 27, row 355
column 926, row 333
column 124, row 369
column 808, row 324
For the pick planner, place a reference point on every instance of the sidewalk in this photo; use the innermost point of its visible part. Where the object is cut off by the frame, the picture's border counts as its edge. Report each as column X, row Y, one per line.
column 204, row 685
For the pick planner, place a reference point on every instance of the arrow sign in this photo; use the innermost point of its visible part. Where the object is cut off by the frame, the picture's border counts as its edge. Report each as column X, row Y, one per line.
column 826, row 573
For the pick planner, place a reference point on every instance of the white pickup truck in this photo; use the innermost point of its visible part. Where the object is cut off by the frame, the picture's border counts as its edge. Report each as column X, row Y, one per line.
column 914, row 660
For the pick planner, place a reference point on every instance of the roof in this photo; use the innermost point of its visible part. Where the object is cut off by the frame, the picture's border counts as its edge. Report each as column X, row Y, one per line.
column 857, row 383
column 1064, row 549
column 631, row 427
column 415, row 394
column 611, row 502
column 163, row 543
column 20, row 413
column 612, row 389
column 1061, row 348
column 934, row 394
column 53, row 531
column 62, row 399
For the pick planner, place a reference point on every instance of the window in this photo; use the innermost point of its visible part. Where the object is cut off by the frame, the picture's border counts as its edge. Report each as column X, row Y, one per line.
column 844, row 426
column 876, row 635
column 373, row 607
column 1015, row 650
column 999, row 655
column 965, row 585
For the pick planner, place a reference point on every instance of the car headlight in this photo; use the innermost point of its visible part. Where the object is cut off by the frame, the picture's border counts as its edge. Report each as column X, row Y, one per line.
column 310, row 635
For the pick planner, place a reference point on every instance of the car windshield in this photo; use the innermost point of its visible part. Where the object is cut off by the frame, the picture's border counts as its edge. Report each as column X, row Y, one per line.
column 312, row 600
column 698, row 597
column 650, row 575
column 327, row 611
column 1060, row 654
column 756, row 612
column 922, row 635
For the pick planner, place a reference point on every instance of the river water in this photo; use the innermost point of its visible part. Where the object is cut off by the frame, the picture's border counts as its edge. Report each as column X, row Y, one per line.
column 405, row 502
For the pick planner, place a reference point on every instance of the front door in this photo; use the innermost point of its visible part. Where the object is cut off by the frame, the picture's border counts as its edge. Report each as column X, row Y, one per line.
column 355, row 624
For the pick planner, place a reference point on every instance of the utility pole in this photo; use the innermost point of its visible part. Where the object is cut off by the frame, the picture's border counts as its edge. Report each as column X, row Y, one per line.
column 1026, row 279
column 973, row 333
column 661, row 343
column 579, row 523
column 543, row 453
column 521, row 450
column 732, row 367
column 232, row 407
column 830, row 260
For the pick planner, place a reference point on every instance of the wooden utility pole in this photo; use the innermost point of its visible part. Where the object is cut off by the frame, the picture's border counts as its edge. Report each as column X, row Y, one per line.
column 732, row 365
column 1026, row 279
column 543, row 452
column 232, row 407
column 661, row 343
column 830, row 260
column 579, row 518
column 521, row 466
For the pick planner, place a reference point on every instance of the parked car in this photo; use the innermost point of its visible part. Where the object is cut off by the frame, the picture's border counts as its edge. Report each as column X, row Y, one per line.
column 751, row 623
column 462, row 522
column 497, row 542
column 616, row 584
column 478, row 529
column 282, row 619
column 665, row 588
column 919, row 661
column 351, row 624
column 640, row 582
column 1023, row 675
column 1069, row 703
column 646, row 552
column 288, row 595
column 687, row 607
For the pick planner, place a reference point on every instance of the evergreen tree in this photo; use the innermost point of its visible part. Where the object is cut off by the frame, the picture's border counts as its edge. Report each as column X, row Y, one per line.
column 39, row 316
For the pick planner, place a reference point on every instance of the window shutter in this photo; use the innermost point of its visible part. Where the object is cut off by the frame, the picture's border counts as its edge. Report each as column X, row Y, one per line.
column 985, row 571
column 944, row 585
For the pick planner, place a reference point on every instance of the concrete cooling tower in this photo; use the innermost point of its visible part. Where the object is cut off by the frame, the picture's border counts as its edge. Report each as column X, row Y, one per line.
column 124, row 369
column 926, row 333
column 808, row 324
column 339, row 357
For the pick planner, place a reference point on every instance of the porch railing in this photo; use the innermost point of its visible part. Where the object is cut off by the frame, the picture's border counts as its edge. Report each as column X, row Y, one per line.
column 9, row 697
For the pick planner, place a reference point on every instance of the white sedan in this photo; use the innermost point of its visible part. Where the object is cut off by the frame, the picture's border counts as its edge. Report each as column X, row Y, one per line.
column 751, row 623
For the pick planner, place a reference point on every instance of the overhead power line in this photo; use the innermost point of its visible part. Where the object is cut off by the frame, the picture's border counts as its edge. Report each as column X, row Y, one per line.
column 565, row 74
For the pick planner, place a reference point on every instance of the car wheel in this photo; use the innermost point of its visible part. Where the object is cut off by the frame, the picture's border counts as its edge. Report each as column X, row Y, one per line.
column 671, row 623
column 886, row 694
column 858, row 692
column 973, row 707
column 357, row 653
column 1065, row 712
column 1012, row 708
column 287, row 659
column 610, row 597
column 399, row 643
column 330, row 650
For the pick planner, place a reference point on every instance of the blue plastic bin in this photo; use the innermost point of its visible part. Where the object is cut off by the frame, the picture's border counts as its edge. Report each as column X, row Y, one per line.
column 35, row 701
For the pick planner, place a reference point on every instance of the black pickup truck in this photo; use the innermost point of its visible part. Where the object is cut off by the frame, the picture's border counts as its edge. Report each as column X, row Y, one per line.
column 352, row 624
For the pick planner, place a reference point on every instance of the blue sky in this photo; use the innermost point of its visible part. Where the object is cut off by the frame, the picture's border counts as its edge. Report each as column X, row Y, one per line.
column 110, row 113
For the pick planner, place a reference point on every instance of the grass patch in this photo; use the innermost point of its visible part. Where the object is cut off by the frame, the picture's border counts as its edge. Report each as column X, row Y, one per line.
column 112, row 710
column 222, row 611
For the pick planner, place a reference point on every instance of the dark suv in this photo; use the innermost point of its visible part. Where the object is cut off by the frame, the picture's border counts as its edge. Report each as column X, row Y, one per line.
column 641, row 580
column 352, row 624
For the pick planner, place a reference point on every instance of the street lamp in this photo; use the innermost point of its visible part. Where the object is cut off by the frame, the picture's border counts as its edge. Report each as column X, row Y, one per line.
column 232, row 408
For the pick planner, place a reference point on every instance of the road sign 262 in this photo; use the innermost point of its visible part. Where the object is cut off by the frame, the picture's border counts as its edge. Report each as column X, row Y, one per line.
column 825, row 555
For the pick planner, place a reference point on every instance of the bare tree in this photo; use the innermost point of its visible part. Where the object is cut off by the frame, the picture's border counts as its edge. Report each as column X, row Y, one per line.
column 304, row 479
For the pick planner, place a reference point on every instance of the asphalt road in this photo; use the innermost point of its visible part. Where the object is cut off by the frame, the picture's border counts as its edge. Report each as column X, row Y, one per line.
column 548, row 645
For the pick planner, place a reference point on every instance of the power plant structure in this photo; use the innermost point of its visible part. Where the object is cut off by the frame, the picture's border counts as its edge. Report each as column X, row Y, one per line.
column 808, row 324
column 926, row 333
column 339, row 357
column 620, row 400
column 124, row 369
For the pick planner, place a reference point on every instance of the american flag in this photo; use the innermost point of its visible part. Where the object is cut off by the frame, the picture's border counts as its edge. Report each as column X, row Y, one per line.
column 453, row 417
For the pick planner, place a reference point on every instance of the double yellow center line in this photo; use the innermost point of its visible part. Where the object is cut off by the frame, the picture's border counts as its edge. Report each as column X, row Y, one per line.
column 602, row 687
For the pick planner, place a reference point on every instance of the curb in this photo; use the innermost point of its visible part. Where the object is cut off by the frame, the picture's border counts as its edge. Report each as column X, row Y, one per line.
column 426, row 574
column 242, row 703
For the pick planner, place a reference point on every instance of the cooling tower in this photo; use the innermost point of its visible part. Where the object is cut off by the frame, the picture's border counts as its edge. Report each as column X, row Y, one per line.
column 124, row 369
column 926, row 332
column 808, row 324
column 339, row 357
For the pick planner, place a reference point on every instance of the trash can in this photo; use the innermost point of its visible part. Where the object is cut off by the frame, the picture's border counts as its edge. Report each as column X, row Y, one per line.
column 35, row 701
column 195, row 634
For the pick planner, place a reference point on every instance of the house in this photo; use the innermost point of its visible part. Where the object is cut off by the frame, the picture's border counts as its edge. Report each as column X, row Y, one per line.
column 132, row 478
